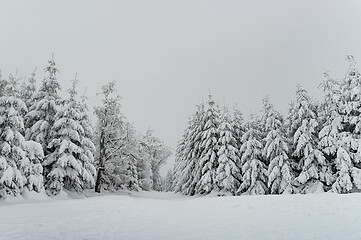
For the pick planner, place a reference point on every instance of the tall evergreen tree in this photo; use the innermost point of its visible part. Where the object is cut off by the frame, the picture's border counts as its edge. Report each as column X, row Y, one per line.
column 187, row 171
column 12, row 152
column 28, row 89
column 254, row 170
column 348, row 158
column 208, row 161
column 19, row 159
column 275, row 151
column 41, row 116
column 66, row 163
column 228, row 174
column 330, row 120
column 304, row 131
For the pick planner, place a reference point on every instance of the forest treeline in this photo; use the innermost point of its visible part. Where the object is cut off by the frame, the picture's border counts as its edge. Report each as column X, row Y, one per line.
column 48, row 143
column 316, row 147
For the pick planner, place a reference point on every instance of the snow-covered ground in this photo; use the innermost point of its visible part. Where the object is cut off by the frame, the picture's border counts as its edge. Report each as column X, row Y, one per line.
column 169, row 216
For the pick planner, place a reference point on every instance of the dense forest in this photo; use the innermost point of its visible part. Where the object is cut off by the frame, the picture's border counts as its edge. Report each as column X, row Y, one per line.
column 315, row 148
column 48, row 143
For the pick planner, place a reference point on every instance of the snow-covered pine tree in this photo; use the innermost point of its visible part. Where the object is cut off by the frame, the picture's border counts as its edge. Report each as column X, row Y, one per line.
column 254, row 170
column 28, row 89
column 228, row 174
column 238, row 129
column 41, row 116
column 130, row 157
column 112, row 138
column 87, row 145
column 2, row 85
column 275, row 151
column 188, row 154
column 304, row 132
column 66, row 162
column 12, row 141
column 348, row 159
column 208, row 161
column 330, row 120
column 31, row 166
column 180, row 163
column 168, row 181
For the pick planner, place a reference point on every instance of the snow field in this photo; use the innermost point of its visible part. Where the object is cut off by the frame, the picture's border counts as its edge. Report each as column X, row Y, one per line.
column 168, row 216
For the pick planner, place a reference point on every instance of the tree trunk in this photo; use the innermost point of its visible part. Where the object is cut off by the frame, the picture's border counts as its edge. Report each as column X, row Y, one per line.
column 101, row 163
column 97, row 184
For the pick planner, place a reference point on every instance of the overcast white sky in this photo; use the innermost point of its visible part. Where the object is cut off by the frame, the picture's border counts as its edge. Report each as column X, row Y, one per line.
column 166, row 55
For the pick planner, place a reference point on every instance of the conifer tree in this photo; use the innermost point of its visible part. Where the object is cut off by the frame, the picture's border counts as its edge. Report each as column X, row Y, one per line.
column 254, row 170
column 304, row 131
column 168, row 181
column 275, row 151
column 208, row 161
column 12, row 150
column 348, row 176
column 41, row 116
column 28, row 89
column 31, row 166
column 330, row 120
column 87, row 145
column 66, row 163
column 187, row 171
column 239, row 129
column 228, row 174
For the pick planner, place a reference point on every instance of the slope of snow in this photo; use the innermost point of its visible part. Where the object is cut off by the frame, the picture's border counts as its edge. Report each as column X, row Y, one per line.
column 169, row 216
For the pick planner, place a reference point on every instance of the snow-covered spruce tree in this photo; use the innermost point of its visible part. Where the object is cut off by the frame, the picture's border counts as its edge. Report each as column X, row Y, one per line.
column 112, row 135
column 239, row 129
column 348, row 158
column 87, row 145
column 275, row 151
column 179, row 164
column 304, row 132
column 19, row 159
column 208, row 161
column 28, row 89
column 228, row 174
column 31, row 166
column 168, row 181
column 187, row 171
column 2, row 85
column 67, row 168
column 330, row 120
column 254, row 170
column 129, row 171
column 157, row 153
column 12, row 152
column 40, row 119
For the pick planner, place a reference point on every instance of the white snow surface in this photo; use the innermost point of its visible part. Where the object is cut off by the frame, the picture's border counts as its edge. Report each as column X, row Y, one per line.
column 152, row 215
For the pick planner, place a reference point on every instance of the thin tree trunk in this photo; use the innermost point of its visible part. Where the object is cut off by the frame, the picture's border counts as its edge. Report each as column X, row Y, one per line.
column 101, row 163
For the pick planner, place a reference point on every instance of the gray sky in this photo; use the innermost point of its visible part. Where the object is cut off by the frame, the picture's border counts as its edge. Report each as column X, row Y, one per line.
column 166, row 55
